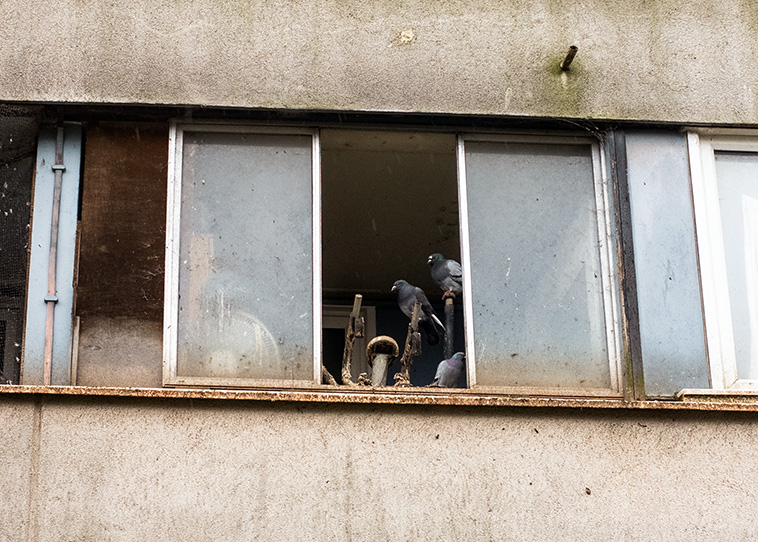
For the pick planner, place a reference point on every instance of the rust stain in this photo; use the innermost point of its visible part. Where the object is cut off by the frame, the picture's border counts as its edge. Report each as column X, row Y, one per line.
column 391, row 396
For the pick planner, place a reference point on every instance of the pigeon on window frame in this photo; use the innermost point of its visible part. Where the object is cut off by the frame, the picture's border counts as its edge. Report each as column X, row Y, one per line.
column 446, row 273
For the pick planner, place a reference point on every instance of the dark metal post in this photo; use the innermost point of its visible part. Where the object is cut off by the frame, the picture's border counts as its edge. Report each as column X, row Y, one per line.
column 449, row 325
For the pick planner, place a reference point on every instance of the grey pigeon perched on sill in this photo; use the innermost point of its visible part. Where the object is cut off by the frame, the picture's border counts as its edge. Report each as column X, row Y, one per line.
column 449, row 371
column 407, row 296
column 446, row 273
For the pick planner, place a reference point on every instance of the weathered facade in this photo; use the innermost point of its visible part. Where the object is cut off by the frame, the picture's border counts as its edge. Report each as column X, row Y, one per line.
column 119, row 449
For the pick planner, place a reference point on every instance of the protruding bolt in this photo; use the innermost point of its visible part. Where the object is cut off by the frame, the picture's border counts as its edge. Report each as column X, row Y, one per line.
column 569, row 57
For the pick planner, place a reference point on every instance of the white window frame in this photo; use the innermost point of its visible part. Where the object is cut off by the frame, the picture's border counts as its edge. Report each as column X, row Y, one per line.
column 702, row 145
column 171, row 292
column 322, row 316
column 609, row 279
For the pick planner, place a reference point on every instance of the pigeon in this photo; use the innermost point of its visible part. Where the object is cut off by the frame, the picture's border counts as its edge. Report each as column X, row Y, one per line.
column 449, row 371
column 407, row 296
column 446, row 273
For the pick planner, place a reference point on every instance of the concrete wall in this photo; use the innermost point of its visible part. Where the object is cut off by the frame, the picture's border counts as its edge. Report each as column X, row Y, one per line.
column 668, row 60
column 161, row 469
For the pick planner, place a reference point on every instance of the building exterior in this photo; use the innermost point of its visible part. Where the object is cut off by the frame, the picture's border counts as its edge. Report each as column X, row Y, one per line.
column 214, row 181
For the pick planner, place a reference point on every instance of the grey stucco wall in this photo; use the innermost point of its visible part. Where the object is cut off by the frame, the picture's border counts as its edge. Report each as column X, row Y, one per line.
column 667, row 60
column 142, row 469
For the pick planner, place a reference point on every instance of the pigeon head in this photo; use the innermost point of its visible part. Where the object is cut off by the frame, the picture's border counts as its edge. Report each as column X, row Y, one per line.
column 434, row 258
column 459, row 356
column 399, row 285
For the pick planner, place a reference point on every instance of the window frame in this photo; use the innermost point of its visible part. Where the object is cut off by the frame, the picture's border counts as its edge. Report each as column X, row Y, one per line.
column 607, row 239
column 173, row 212
column 720, row 350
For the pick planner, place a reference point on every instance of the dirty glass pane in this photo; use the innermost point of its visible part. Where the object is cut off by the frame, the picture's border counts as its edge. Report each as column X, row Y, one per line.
column 665, row 260
column 535, row 264
column 245, row 269
column 737, row 178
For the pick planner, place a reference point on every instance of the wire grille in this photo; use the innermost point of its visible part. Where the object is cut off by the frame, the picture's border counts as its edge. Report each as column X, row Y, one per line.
column 18, row 143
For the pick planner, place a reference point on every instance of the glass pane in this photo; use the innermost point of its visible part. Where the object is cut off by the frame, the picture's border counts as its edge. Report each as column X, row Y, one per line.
column 245, row 269
column 535, row 263
column 737, row 178
column 665, row 260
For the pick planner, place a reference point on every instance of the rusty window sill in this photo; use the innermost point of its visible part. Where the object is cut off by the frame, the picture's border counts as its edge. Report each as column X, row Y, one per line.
column 745, row 396
column 391, row 396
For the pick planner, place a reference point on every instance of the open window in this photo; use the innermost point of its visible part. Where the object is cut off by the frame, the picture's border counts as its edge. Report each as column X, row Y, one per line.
column 257, row 216
column 272, row 230
column 724, row 170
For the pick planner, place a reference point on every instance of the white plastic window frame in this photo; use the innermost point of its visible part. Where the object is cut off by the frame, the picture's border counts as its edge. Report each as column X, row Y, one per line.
column 606, row 242
column 171, row 292
column 702, row 145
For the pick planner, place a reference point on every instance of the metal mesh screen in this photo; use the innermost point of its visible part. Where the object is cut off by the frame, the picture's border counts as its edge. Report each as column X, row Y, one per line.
column 18, row 143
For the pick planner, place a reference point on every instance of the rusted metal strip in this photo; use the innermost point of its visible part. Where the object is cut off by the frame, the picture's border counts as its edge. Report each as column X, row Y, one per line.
column 634, row 381
column 51, row 299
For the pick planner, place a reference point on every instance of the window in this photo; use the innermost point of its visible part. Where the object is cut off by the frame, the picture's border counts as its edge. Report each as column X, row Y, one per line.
column 270, row 231
column 540, row 286
column 244, row 288
column 725, row 194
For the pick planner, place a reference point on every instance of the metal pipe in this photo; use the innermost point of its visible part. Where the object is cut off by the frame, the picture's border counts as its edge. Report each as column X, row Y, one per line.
column 51, row 299
column 449, row 324
column 380, row 353
column 569, row 57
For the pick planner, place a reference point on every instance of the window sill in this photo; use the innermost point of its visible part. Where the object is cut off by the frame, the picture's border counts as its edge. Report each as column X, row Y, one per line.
column 732, row 396
column 420, row 396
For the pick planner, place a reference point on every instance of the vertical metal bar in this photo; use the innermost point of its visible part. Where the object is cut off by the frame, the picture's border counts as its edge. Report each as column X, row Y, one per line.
column 449, row 327
column 635, row 383
column 316, row 243
column 171, row 286
column 609, row 280
column 51, row 298
column 468, row 305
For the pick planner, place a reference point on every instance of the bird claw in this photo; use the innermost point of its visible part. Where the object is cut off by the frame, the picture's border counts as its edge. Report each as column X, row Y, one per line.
column 448, row 295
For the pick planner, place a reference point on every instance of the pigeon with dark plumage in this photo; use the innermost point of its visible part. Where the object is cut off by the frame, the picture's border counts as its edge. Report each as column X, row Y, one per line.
column 449, row 371
column 407, row 296
column 446, row 273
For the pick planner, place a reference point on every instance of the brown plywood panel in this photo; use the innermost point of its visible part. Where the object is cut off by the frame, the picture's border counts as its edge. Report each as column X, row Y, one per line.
column 123, row 221
column 121, row 262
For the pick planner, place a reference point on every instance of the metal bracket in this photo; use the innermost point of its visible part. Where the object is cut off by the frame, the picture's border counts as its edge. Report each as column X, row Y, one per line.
column 51, row 298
